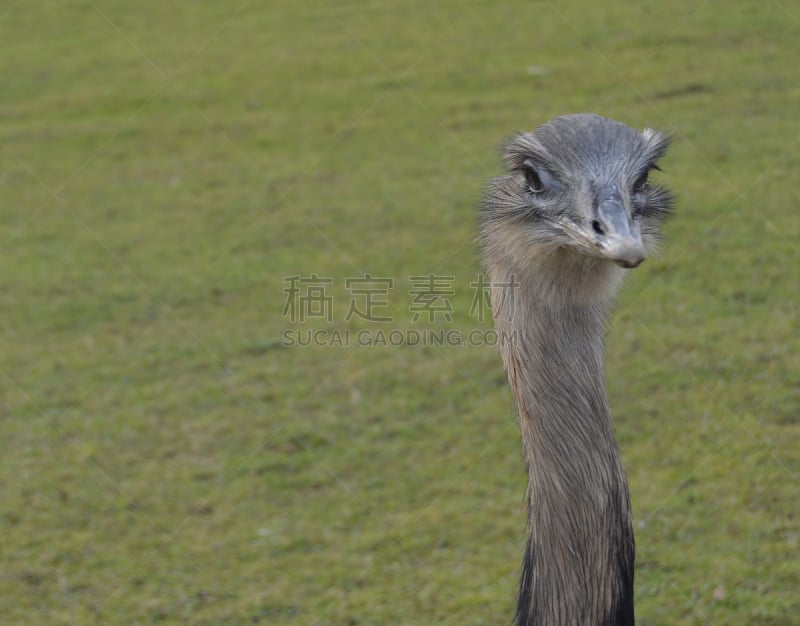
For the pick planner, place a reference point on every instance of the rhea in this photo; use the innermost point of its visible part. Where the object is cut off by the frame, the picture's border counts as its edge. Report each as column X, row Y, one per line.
column 574, row 211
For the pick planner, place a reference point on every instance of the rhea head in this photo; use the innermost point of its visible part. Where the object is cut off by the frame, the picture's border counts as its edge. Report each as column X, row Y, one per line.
column 577, row 190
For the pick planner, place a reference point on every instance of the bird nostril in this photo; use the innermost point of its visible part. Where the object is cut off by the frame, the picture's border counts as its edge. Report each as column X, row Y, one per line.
column 629, row 264
column 598, row 227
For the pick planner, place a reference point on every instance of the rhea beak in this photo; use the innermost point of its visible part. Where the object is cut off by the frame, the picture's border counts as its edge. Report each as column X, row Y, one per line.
column 616, row 235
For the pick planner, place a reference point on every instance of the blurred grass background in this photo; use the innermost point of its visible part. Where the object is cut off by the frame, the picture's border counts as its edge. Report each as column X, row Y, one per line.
column 164, row 166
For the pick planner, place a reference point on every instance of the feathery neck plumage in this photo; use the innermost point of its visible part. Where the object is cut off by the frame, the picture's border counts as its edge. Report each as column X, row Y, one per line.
column 550, row 316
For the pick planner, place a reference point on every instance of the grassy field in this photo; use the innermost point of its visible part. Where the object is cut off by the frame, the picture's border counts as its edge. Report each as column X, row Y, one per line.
column 165, row 167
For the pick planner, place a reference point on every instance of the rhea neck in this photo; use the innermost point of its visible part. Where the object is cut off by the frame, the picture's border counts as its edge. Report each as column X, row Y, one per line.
column 550, row 316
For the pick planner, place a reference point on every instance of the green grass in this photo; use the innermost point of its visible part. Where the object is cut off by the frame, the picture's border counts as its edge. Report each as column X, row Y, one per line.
column 163, row 168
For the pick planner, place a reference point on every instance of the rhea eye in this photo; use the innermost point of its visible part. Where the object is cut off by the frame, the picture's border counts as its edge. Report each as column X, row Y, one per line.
column 534, row 181
column 641, row 183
